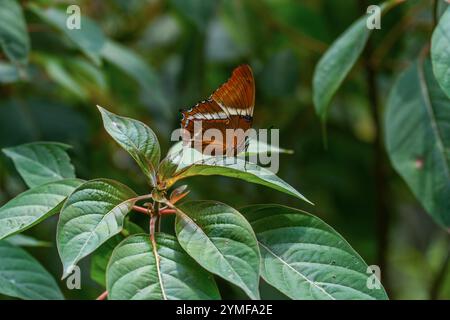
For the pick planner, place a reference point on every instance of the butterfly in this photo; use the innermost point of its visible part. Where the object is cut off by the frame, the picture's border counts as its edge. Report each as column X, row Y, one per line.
column 219, row 125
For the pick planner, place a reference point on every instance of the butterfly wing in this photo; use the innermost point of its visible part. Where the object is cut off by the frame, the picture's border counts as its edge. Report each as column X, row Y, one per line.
column 237, row 95
column 205, row 110
column 198, row 120
column 229, row 107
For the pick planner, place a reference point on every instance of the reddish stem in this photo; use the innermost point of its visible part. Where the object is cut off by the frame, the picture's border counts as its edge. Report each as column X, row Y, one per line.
column 103, row 296
column 167, row 211
column 141, row 209
column 146, row 211
column 152, row 227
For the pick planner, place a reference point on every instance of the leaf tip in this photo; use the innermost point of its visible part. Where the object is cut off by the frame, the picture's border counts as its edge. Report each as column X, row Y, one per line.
column 255, row 295
column 311, row 203
column 286, row 151
column 302, row 197
column 5, row 151
column 104, row 113
column 67, row 271
column 101, row 109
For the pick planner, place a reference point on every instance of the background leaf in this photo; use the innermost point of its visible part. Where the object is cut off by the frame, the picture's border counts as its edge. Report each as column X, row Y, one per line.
column 135, row 273
column 221, row 241
column 137, row 139
column 101, row 256
column 418, row 138
column 14, row 38
column 8, row 73
column 62, row 76
column 136, row 67
column 305, row 258
column 41, row 162
column 336, row 63
column 440, row 52
column 78, row 75
column 22, row 240
column 89, row 38
column 92, row 214
column 22, row 276
column 198, row 12
column 339, row 59
column 34, row 206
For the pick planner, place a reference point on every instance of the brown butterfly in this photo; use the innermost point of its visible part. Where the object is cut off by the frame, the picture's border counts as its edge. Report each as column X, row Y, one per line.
column 229, row 110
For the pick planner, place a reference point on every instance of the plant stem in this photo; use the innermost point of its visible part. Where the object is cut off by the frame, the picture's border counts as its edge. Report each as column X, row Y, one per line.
column 153, row 222
column 398, row 30
column 381, row 188
column 440, row 278
column 141, row 209
column 154, row 215
column 157, row 217
column 158, row 225
column 435, row 13
column 382, row 213
column 103, row 296
column 167, row 211
column 143, row 197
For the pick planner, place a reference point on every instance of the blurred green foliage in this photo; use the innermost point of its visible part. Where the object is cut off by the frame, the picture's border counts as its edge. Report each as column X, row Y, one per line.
column 159, row 56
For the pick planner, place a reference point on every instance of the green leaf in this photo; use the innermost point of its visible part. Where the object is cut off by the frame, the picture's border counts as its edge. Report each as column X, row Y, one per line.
column 22, row 240
column 254, row 147
column 58, row 73
column 139, row 271
column 190, row 163
column 221, row 241
column 77, row 75
column 336, row 63
column 88, row 74
column 100, row 258
column 89, row 38
column 440, row 52
column 180, row 157
column 138, row 69
column 305, row 258
column 137, row 139
column 8, row 73
column 92, row 214
column 198, row 12
column 41, row 162
column 259, row 147
column 339, row 59
column 14, row 38
column 34, row 206
column 22, row 276
column 418, row 138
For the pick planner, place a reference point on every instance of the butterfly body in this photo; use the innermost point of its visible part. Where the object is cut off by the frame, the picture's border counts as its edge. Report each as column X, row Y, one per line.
column 220, row 123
